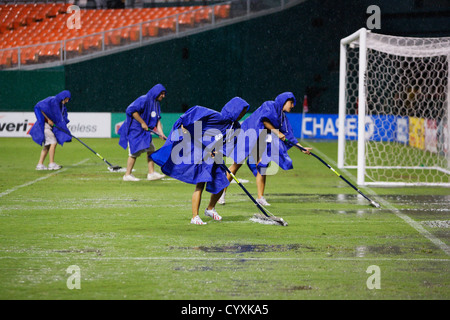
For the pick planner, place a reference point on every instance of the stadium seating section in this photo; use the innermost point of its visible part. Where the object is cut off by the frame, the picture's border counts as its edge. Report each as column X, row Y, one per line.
column 23, row 25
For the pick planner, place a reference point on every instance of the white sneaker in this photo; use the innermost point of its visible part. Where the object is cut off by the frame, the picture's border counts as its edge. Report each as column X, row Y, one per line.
column 262, row 202
column 130, row 177
column 155, row 176
column 213, row 214
column 197, row 220
column 221, row 199
column 54, row 166
column 41, row 167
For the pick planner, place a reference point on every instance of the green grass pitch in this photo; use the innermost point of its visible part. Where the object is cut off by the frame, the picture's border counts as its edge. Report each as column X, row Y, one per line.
column 134, row 240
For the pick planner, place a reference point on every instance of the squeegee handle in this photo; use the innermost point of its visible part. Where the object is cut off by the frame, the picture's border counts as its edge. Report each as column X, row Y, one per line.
column 154, row 132
column 245, row 190
column 84, row 144
column 332, row 169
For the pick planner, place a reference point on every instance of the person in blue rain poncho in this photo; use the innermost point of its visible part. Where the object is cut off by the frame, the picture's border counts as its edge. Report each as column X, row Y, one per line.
column 49, row 112
column 195, row 149
column 143, row 114
column 268, row 122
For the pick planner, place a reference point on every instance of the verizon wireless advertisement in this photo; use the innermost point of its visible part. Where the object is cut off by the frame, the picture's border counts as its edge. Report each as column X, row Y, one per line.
column 81, row 125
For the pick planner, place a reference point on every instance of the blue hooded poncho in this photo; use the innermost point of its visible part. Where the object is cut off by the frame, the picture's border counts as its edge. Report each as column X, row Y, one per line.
column 149, row 109
column 55, row 111
column 271, row 111
column 187, row 156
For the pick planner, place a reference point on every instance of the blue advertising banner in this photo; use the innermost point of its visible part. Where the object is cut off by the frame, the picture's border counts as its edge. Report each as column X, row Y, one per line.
column 326, row 126
column 316, row 126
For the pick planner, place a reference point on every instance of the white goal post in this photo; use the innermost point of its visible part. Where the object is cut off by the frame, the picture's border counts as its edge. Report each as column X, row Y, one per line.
column 394, row 109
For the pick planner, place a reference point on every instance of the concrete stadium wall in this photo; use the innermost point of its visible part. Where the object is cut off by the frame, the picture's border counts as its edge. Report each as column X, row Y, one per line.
column 21, row 90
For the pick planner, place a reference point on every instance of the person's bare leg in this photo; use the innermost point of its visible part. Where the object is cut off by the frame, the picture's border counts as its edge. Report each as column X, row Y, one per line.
column 233, row 168
column 43, row 155
column 130, row 165
column 197, row 198
column 214, row 198
column 51, row 153
column 260, row 184
column 151, row 164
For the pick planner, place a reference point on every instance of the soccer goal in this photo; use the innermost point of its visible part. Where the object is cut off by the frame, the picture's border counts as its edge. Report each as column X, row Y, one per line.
column 394, row 109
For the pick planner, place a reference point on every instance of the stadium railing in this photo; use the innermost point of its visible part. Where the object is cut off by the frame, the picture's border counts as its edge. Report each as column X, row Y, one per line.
column 40, row 34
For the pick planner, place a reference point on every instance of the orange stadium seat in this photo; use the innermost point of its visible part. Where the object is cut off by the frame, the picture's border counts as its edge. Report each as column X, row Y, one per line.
column 222, row 11
column 203, row 15
column 114, row 37
column 50, row 50
column 3, row 58
column 40, row 23
column 28, row 55
column 150, row 29
column 186, row 19
column 168, row 24
column 75, row 45
column 135, row 33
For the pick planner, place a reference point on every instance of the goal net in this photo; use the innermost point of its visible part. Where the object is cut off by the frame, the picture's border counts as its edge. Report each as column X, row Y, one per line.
column 394, row 109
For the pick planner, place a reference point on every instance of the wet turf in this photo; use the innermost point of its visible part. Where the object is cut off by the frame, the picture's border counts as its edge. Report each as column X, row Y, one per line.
column 134, row 240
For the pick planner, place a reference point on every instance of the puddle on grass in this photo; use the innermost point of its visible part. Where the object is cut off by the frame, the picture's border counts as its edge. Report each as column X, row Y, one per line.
column 437, row 204
column 248, row 248
column 322, row 198
column 245, row 248
column 328, row 251
column 438, row 200
column 362, row 251
column 444, row 224
column 431, row 210
column 435, row 207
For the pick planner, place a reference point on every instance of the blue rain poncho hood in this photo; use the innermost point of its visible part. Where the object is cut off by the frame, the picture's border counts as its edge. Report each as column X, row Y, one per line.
column 55, row 111
column 149, row 109
column 186, row 156
column 271, row 111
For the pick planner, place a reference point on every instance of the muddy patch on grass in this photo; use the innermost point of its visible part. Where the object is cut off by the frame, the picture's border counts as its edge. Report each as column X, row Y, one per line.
column 193, row 269
column 248, row 248
column 88, row 250
column 298, row 288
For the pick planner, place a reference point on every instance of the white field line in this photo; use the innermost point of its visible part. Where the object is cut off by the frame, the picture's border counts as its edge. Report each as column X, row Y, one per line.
column 175, row 258
column 414, row 224
column 5, row 193
column 272, row 259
